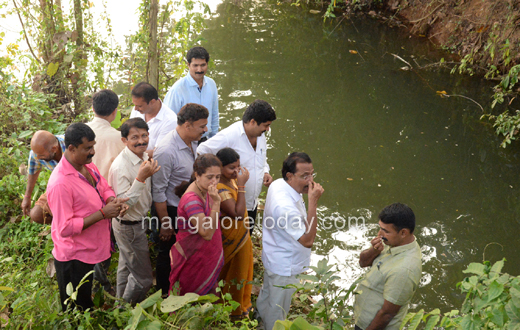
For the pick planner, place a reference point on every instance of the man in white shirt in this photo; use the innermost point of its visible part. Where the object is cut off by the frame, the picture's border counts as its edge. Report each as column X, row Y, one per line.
column 108, row 146
column 130, row 177
column 160, row 119
column 247, row 138
column 195, row 87
column 108, row 139
column 288, row 235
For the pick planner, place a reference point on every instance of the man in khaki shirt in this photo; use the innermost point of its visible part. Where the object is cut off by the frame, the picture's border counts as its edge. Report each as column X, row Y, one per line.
column 108, row 139
column 395, row 273
column 130, row 176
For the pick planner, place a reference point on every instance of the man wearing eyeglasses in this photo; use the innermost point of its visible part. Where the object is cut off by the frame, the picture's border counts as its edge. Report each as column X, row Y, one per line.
column 289, row 232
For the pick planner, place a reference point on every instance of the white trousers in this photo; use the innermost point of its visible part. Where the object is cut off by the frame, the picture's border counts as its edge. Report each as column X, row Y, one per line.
column 273, row 303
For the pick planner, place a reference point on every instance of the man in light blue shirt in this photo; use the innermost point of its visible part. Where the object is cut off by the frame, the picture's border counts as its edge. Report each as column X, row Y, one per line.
column 195, row 87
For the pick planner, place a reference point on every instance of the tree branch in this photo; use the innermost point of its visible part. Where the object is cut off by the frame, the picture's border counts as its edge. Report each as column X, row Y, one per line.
column 25, row 33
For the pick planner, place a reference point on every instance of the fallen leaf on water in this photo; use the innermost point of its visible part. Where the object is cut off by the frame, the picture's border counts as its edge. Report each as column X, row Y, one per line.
column 314, row 11
column 353, row 51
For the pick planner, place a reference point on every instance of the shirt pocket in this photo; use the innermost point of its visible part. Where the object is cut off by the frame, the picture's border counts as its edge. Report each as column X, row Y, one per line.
column 376, row 279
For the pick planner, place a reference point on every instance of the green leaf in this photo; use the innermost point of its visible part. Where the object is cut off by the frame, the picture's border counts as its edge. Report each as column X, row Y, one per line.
column 99, row 298
column 495, row 290
column 311, row 278
column 25, row 134
column 497, row 267
column 432, row 322
column 498, row 316
column 512, row 311
column 301, row 324
column 414, row 323
column 475, row 268
column 173, row 303
column 52, row 69
column 69, row 289
column 407, row 318
column 282, row 325
column 116, row 123
column 152, row 300
column 137, row 314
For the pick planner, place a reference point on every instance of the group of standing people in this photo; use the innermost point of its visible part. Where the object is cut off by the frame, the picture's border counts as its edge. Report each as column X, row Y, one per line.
column 201, row 187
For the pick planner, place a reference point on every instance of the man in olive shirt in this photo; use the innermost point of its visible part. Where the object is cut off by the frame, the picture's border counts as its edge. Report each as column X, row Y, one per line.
column 389, row 285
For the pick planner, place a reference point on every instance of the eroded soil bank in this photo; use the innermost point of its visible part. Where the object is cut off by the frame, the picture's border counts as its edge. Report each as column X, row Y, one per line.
column 484, row 34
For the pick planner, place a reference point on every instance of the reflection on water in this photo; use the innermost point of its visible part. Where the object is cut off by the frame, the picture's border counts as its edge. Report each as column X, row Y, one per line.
column 376, row 135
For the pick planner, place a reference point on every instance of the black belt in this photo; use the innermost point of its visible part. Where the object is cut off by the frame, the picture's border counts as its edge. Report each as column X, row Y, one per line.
column 127, row 222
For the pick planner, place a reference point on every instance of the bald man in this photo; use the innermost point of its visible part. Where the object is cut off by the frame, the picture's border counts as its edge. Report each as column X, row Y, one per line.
column 46, row 152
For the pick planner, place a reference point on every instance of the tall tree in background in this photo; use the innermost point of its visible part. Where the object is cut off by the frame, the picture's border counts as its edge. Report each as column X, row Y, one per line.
column 152, row 69
column 62, row 51
column 155, row 53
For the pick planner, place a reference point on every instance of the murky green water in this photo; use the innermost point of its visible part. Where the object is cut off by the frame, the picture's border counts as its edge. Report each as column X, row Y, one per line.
column 376, row 135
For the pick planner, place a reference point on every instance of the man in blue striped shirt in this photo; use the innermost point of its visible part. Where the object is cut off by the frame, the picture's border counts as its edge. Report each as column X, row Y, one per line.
column 195, row 87
column 46, row 152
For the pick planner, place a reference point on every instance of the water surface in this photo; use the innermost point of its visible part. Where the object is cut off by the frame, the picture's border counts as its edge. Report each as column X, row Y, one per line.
column 376, row 134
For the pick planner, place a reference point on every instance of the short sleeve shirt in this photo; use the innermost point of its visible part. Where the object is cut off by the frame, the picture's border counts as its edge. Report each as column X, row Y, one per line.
column 283, row 224
column 394, row 276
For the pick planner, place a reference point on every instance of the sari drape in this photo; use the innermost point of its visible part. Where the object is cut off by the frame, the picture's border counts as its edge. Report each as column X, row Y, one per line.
column 196, row 263
column 238, row 254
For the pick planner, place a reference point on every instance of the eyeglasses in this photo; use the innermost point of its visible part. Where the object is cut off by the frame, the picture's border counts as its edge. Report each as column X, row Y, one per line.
column 308, row 176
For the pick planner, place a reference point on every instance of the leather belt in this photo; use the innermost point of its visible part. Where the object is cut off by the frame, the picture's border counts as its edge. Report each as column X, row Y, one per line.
column 127, row 222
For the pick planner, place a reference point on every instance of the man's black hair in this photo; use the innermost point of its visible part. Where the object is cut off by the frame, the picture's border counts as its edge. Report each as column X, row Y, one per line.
column 197, row 52
column 227, row 156
column 104, row 102
column 260, row 111
column 400, row 215
column 145, row 91
column 192, row 112
column 289, row 164
column 132, row 122
column 76, row 132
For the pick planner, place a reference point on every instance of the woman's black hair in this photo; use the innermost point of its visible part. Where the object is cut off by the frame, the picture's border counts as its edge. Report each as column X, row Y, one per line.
column 227, row 156
column 200, row 166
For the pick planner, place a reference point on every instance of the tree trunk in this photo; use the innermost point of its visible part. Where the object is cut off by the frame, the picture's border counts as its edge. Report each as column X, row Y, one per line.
column 153, row 60
column 78, row 76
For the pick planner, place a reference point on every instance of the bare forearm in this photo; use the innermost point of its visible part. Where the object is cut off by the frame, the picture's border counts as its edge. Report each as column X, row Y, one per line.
column 31, row 182
column 311, row 226
column 380, row 321
column 240, row 208
column 162, row 211
column 206, row 230
column 367, row 257
column 92, row 219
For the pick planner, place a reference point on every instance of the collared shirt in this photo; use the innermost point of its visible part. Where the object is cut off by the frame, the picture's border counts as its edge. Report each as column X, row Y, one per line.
column 72, row 199
column 176, row 160
column 35, row 164
column 255, row 161
column 394, row 276
column 108, row 144
column 122, row 178
column 186, row 90
column 283, row 224
column 163, row 123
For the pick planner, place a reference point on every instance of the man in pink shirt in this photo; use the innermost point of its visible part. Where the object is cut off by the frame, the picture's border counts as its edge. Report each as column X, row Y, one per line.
column 82, row 203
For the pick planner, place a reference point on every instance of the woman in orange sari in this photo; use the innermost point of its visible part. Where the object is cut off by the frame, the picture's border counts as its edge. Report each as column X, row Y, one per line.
column 237, row 272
